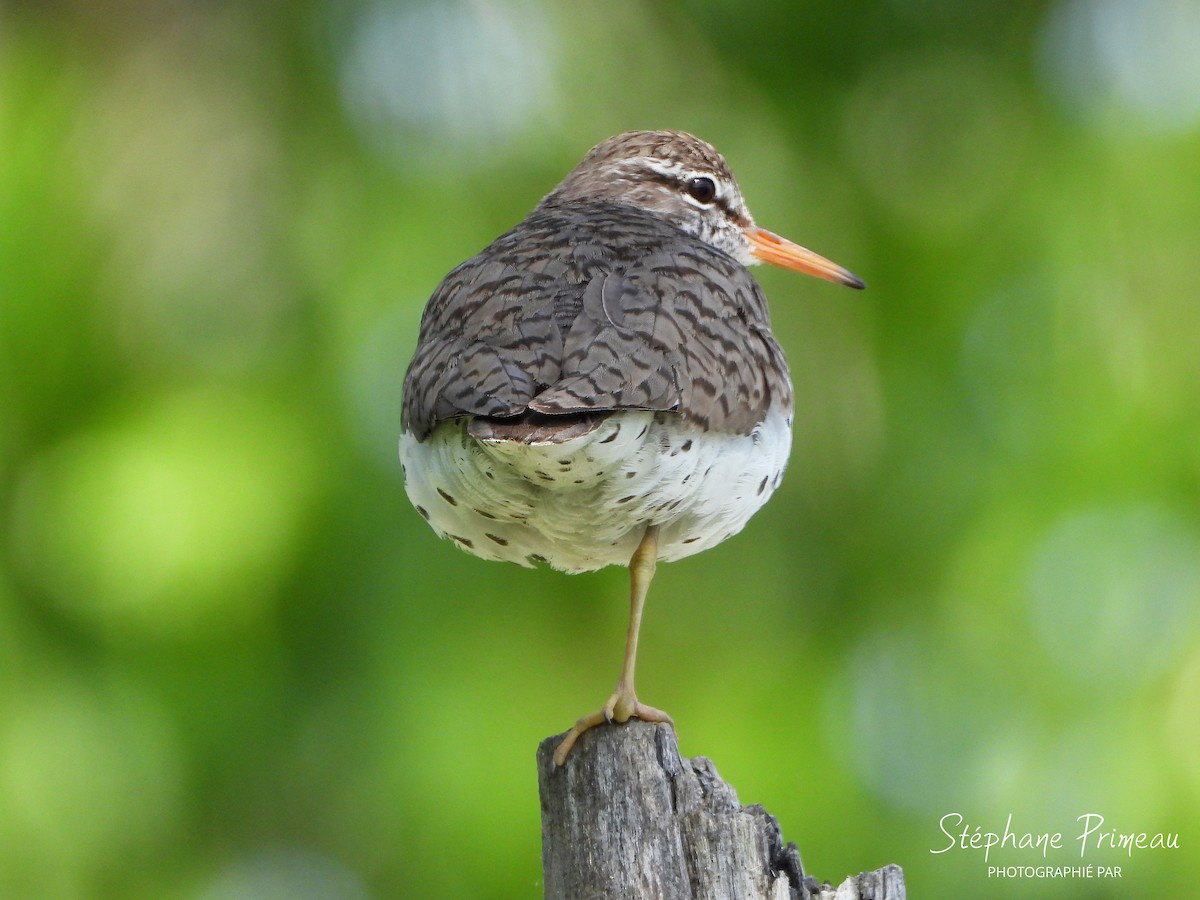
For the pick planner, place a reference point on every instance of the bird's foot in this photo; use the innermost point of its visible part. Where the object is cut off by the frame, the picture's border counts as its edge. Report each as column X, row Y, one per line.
column 622, row 706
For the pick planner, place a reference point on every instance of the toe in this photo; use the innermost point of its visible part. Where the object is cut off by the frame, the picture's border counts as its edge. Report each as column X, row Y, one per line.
column 651, row 714
column 619, row 709
column 582, row 725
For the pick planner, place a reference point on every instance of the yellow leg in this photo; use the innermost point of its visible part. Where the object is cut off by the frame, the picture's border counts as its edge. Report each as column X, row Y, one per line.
column 624, row 704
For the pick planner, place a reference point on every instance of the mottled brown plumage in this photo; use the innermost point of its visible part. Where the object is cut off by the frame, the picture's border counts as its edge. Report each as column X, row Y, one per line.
column 600, row 385
column 587, row 307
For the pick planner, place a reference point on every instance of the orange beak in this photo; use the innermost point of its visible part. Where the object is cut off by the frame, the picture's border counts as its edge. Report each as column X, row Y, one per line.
column 771, row 248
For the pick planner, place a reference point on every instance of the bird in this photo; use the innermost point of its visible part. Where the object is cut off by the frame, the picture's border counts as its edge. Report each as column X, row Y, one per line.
column 600, row 385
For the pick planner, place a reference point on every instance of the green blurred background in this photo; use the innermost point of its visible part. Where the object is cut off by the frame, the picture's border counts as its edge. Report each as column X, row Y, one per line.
column 234, row 662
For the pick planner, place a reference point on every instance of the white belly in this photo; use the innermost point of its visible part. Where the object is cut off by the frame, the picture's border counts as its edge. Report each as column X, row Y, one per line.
column 584, row 504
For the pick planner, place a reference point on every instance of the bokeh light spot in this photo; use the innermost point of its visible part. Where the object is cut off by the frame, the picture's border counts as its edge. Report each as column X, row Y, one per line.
column 89, row 772
column 1183, row 721
column 1121, row 65
column 286, row 873
column 911, row 704
column 940, row 139
column 171, row 518
column 470, row 74
column 1115, row 593
column 179, row 170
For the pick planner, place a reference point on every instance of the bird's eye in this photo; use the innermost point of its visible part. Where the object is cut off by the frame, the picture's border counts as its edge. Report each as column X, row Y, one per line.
column 702, row 189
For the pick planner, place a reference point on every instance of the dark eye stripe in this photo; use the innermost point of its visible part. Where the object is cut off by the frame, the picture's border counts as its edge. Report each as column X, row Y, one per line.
column 681, row 184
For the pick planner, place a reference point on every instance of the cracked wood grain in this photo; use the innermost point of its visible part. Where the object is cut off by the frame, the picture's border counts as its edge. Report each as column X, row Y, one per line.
column 628, row 817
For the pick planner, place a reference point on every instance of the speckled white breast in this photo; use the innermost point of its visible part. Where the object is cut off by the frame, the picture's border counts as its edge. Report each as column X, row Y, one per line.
column 584, row 504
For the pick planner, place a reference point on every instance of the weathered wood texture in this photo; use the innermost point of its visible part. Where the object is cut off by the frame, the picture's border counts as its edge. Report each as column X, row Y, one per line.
column 627, row 817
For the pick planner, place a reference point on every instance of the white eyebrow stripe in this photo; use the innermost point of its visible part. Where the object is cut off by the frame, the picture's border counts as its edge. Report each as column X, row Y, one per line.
column 662, row 166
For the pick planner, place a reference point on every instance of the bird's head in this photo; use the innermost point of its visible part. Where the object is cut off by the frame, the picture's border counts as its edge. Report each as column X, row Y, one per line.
column 685, row 181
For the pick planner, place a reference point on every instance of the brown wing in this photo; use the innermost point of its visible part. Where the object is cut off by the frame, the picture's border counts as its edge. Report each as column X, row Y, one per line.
column 591, row 307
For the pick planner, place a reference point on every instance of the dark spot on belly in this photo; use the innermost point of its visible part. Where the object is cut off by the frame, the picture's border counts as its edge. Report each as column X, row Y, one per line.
column 631, row 474
column 537, row 558
column 643, row 431
column 503, row 542
column 612, row 437
column 490, row 474
column 686, row 445
column 485, row 513
column 762, row 485
column 690, row 540
column 447, row 497
column 424, row 513
column 627, row 499
column 462, row 540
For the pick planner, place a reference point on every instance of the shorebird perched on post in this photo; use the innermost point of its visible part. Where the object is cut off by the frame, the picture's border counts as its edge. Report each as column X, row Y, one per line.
column 600, row 385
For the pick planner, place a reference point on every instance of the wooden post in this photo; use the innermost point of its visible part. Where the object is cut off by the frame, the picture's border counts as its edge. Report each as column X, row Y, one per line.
column 628, row 818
